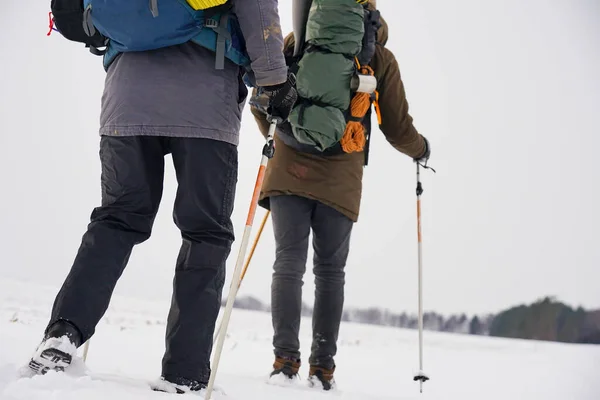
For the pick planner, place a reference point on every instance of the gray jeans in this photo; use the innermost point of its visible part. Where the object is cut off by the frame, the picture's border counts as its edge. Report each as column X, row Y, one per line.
column 293, row 217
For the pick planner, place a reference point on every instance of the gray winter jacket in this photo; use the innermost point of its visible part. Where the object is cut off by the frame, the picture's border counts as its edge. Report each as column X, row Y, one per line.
column 177, row 91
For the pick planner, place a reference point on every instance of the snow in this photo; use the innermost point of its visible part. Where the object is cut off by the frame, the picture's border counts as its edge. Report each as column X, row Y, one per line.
column 374, row 363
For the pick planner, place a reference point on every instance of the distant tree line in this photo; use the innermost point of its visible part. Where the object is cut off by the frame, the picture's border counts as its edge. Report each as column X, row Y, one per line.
column 545, row 319
column 548, row 319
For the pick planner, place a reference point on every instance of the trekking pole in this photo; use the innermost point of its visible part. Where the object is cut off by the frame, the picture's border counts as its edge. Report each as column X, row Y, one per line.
column 258, row 234
column 86, row 347
column 262, row 225
column 267, row 153
column 420, row 376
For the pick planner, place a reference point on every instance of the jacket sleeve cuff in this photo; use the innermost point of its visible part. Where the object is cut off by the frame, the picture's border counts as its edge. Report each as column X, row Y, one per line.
column 272, row 77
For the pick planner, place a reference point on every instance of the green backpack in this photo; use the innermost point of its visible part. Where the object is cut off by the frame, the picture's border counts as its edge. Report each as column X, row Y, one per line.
column 331, row 108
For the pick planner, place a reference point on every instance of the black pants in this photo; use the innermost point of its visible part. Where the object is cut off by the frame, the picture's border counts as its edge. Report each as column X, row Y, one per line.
column 293, row 217
column 132, row 185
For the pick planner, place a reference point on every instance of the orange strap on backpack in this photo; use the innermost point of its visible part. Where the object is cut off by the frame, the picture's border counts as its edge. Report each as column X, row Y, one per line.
column 354, row 138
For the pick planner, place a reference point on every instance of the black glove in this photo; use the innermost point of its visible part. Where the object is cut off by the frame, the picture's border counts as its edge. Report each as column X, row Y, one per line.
column 425, row 157
column 277, row 101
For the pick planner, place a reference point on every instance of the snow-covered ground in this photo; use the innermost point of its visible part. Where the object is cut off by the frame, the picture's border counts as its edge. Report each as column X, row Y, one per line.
column 373, row 363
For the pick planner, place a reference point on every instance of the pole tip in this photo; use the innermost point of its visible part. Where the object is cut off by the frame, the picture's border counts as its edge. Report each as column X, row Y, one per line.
column 421, row 377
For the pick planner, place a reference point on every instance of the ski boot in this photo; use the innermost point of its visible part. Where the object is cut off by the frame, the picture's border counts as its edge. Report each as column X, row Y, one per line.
column 323, row 376
column 57, row 349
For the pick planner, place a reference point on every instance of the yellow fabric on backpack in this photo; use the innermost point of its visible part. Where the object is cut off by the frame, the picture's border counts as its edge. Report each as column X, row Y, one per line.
column 204, row 4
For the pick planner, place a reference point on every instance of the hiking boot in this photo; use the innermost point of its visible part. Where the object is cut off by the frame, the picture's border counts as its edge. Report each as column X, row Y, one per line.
column 57, row 349
column 321, row 375
column 178, row 385
column 287, row 366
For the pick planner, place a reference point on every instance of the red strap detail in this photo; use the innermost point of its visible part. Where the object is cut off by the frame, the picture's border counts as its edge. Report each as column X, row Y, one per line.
column 50, row 23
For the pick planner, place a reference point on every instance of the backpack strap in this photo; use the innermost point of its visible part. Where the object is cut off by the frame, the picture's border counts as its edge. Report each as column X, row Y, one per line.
column 368, row 134
column 372, row 20
column 221, row 29
column 154, row 8
column 369, row 131
column 90, row 30
column 223, row 35
column 88, row 25
column 372, row 25
column 96, row 51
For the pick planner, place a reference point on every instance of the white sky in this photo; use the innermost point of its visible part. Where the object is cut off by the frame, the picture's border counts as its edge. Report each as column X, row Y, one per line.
column 505, row 91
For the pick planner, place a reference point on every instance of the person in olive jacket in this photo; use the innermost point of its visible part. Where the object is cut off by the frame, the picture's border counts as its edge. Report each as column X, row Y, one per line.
column 321, row 192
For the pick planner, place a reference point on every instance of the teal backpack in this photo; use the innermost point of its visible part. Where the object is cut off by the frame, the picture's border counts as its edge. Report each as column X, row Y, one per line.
column 111, row 27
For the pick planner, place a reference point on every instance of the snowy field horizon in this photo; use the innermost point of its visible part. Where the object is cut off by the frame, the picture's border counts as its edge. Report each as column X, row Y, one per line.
column 374, row 362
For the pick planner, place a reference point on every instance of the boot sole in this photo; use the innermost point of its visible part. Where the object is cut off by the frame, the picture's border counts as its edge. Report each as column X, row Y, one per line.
column 50, row 359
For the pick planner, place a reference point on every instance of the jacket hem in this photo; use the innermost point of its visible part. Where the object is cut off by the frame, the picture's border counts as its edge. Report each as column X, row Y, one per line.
column 264, row 201
column 170, row 131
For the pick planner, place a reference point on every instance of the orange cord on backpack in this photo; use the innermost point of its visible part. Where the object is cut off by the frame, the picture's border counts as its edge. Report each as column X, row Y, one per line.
column 354, row 138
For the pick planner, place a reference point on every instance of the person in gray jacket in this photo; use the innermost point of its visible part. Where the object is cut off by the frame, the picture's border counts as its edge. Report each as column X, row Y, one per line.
column 169, row 101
